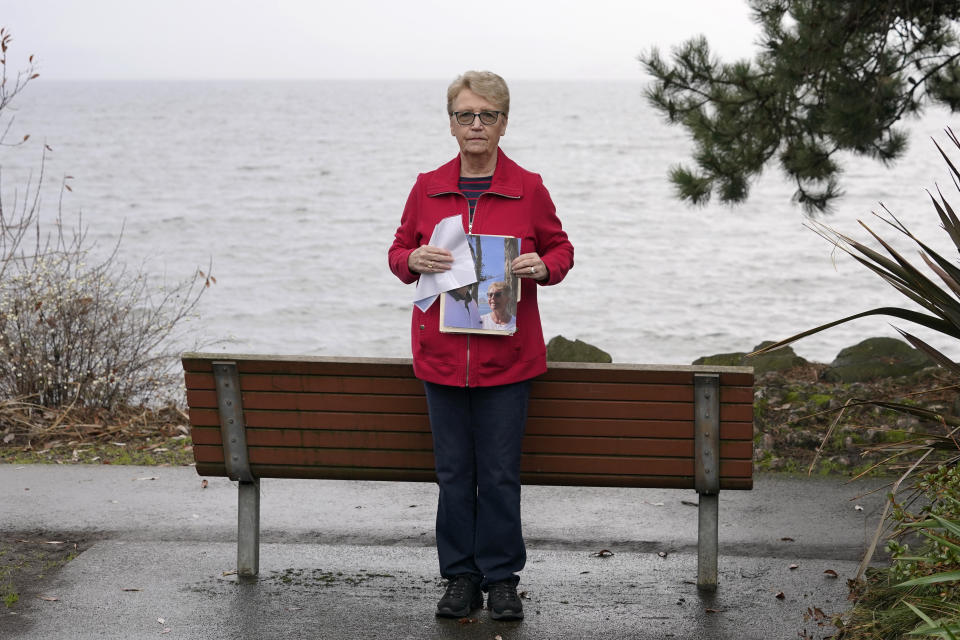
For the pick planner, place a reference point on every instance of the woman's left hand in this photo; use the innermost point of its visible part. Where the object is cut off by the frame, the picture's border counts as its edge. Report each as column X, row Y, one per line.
column 529, row 265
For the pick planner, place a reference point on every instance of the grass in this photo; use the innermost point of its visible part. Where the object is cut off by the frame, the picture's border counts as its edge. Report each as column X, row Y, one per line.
column 127, row 435
column 141, row 451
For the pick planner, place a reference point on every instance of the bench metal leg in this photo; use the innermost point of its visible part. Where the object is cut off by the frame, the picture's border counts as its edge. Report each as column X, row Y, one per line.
column 248, row 529
column 707, row 542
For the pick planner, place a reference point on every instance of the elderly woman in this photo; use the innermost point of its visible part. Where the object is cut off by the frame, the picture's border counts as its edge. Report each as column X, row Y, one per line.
column 499, row 318
column 477, row 386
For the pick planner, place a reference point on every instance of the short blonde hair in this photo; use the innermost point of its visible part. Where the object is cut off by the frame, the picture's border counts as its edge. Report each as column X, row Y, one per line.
column 485, row 84
column 500, row 285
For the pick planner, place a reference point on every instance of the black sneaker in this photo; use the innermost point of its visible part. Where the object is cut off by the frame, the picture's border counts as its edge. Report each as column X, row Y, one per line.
column 461, row 597
column 503, row 601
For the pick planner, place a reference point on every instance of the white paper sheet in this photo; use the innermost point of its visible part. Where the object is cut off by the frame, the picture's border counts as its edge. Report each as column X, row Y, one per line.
column 448, row 234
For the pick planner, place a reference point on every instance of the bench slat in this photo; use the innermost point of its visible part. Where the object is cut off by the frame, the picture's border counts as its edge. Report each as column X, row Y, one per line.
column 423, row 461
column 681, row 392
column 403, row 368
column 371, row 403
column 420, row 423
column 655, row 447
column 564, row 479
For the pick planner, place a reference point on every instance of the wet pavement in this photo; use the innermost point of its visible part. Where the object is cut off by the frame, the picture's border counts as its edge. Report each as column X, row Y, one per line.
column 348, row 560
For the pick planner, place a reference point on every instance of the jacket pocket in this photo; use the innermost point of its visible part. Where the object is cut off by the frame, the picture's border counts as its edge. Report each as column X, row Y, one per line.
column 432, row 348
column 499, row 353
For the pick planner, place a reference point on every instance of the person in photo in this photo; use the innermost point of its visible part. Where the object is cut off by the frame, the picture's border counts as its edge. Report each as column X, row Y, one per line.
column 499, row 318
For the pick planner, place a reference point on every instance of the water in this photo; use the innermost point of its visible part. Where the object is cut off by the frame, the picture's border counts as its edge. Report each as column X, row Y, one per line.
column 292, row 189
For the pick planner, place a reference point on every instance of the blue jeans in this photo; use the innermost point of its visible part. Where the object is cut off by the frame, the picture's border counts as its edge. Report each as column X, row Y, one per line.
column 477, row 435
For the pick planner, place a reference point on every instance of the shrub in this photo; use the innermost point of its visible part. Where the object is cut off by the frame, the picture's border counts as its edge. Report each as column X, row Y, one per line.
column 91, row 335
column 76, row 331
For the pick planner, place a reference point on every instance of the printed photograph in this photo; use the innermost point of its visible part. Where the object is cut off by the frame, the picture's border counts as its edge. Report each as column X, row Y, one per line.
column 489, row 305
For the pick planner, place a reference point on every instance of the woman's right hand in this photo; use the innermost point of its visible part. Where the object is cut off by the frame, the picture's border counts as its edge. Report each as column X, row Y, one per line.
column 429, row 259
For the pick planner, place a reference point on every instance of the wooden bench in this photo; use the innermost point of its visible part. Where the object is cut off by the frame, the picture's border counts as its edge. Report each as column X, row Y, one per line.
column 616, row 425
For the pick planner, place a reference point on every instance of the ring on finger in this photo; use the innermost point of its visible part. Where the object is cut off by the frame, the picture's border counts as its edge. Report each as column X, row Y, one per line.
column 533, row 270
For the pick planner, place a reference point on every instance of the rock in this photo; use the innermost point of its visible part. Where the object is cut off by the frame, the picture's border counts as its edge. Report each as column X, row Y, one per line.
column 803, row 438
column 907, row 423
column 778, row 360
column 559, row 349
column 768, row 442
column 723, row 359
column 876, row 358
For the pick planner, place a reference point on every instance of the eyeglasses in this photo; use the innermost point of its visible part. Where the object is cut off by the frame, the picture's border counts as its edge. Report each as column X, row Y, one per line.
column 466, row 118
column 494, row 294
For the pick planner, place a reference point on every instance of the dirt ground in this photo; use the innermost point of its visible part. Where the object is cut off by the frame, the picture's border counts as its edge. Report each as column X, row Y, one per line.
column 27, row 561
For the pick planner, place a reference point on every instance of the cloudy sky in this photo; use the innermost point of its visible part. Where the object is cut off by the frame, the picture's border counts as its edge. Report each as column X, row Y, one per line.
column 528, row 39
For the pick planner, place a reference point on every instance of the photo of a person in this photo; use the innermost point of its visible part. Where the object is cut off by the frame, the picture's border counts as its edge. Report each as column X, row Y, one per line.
column 461, row 310
column 499, row 300
column 488, row 306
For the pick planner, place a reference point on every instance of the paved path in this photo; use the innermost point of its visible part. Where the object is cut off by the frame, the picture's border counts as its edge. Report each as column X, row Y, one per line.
column 356, row 560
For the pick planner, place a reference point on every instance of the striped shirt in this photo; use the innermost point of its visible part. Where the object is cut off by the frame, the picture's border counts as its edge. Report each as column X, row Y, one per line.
column 472, row 188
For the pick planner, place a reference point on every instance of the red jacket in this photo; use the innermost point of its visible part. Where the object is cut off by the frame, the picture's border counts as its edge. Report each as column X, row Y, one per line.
column 517, row 205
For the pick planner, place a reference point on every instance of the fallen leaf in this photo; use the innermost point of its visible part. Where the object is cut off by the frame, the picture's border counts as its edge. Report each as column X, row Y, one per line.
column 467, row 620
column 714, row 610
column 858, row 508
column 48, row 598
column 831, row 573
column 54, row 542
column 780, row 596
column 793, row 566
column 662, row 554
column 523, row 595
column 167, row 630
column 603, row 553
column 787, row 539
column 161, row 620
column 689, row 503
column 132, row 589
column 149, row 478
column 229, row 573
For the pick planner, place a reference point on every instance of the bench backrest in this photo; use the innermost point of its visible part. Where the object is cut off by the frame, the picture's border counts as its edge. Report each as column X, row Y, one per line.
column 366, row 419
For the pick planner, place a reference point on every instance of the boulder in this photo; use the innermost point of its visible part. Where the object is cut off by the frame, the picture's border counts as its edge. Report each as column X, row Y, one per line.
column 876, row 358
column 778, row 360
column 559, row 349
